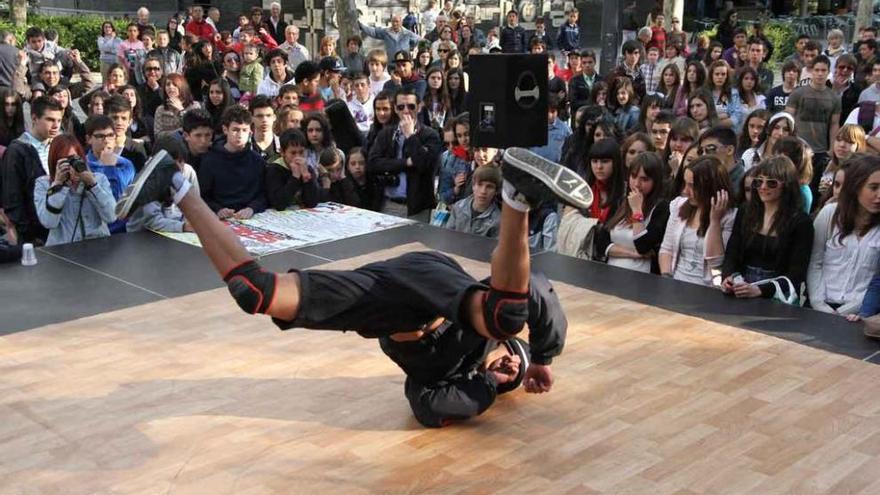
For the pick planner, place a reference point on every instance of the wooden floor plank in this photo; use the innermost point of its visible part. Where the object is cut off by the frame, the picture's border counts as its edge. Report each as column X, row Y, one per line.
column 189, row 395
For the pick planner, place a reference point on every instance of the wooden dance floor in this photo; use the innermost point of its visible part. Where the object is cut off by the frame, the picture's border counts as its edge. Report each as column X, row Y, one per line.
column 188, row 395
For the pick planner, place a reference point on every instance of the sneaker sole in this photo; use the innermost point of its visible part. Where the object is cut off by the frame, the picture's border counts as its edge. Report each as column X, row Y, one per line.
column 123, row 207
column 565, row 183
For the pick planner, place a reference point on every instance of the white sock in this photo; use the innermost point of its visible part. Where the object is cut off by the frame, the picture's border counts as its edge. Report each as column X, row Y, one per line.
column 179, row 186
column 507, row 194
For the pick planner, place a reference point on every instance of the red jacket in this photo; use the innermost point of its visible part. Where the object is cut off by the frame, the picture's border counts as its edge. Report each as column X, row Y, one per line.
column 201, row 29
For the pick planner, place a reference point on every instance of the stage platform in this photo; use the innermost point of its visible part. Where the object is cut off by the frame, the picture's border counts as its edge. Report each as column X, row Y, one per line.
column 124, row 376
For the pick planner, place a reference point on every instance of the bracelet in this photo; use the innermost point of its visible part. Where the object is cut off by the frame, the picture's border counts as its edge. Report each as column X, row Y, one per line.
column 667, row 275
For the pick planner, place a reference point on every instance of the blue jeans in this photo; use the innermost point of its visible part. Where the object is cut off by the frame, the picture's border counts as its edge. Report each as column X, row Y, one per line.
column 871, row 302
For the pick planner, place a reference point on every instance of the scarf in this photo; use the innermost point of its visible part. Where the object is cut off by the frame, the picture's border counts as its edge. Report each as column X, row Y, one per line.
column 598, row 211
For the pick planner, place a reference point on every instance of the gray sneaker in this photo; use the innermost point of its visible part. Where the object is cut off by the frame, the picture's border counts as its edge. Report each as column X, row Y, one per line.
column 152, row 183
column 540, row 180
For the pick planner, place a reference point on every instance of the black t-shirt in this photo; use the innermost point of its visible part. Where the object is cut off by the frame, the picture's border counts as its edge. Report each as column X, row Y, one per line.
column 777, row 99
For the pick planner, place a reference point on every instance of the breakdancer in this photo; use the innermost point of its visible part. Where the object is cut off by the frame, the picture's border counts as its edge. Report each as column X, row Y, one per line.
column 413, row 293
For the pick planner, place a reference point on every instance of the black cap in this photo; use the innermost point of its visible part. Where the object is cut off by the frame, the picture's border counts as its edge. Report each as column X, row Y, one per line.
column 331, row 63
column 403, row 56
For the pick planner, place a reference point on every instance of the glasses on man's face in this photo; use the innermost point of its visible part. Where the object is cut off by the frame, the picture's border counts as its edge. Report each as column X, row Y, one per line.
column 709, row 149
column 401, row 107
column 758, row 182
column 104, row 136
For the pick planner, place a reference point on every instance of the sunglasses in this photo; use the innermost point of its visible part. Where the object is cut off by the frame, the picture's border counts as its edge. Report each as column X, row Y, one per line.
column 411, row 106
column 709, row 149
column 757, row 182
column 442, row 50
column 845, row 67
column 151, row 68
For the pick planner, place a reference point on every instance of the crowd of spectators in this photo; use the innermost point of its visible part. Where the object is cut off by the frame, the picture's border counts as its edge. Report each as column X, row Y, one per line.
column 702, row 170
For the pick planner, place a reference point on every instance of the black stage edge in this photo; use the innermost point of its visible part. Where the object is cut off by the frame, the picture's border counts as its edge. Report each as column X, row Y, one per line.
column 87, row 278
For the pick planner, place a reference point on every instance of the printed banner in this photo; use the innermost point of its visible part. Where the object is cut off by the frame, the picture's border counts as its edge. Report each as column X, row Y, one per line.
column 273, row 231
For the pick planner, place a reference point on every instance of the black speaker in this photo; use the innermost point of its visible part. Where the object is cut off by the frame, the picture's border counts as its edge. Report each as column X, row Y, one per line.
column 507, row 100
column 611, row 35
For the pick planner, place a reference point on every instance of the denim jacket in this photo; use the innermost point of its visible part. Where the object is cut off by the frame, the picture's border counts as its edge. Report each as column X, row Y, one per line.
column 72, row 215
column 450, row 166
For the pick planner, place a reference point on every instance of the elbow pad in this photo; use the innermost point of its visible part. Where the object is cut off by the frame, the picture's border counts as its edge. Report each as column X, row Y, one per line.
column 252, row 287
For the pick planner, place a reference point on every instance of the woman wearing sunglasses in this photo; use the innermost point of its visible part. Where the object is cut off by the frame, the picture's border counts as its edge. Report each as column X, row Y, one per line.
column 846, row 243
column 772, row 236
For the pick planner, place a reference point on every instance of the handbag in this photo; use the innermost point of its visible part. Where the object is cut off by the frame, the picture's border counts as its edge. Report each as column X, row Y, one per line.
column 780, row 283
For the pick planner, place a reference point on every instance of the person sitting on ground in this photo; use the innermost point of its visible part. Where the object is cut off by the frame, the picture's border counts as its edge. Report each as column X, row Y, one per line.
column 289, row 180
column 73, row 202
column 772, row 236
column 423, row 295
column 843, row 258
column 231, row 174
column 163, row 215
column 479, row 213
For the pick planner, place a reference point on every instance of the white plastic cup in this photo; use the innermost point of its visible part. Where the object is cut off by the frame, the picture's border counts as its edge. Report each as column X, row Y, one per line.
column 28, row 255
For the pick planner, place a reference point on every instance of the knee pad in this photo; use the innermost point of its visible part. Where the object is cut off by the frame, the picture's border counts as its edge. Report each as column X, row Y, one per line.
column 505, row 313
column 252, row 287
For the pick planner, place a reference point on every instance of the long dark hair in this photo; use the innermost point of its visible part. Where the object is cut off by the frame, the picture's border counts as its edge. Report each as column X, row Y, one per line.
column 726, row 89
column 790, row 203
column 648, row 101
column 576, row 146
column 14, row 127
column 860, row 169
column 327, row 134
column 456, row 97
column 669, row 92
column 744, row 141
column 757, row 90
column 707, row 60
column 653, row 167
column 768, row 130
column 707, row 99
column 441, row 95
column 687, row 89
column 710, row 176
column 216, row 111
column 607, row 149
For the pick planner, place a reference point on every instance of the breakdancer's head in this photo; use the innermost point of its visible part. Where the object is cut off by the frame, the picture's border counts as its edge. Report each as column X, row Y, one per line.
column 509, row 363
